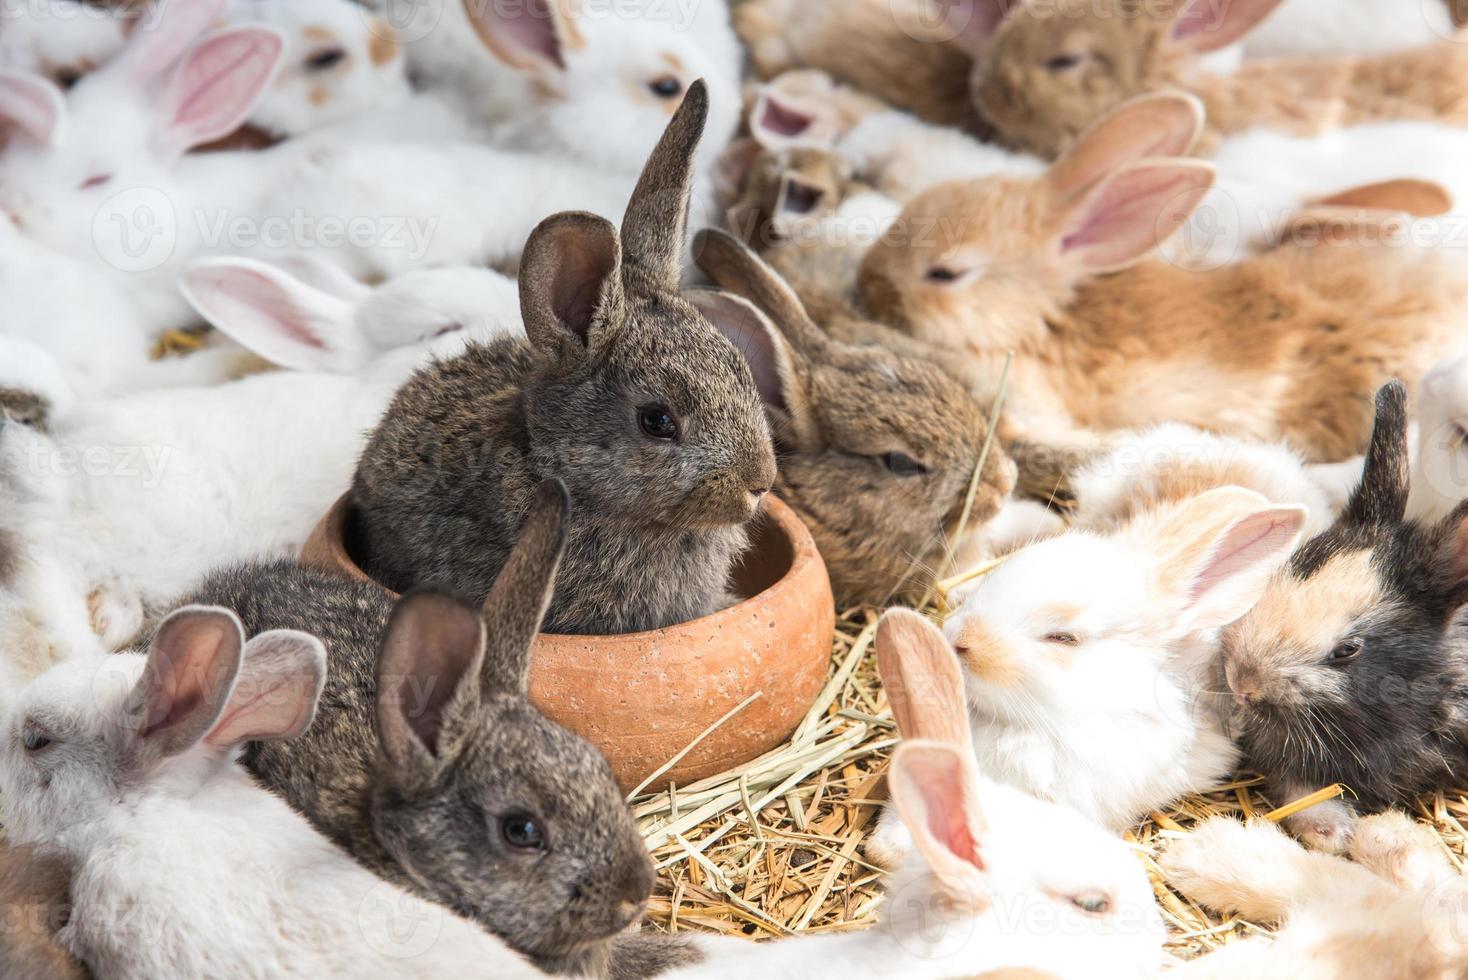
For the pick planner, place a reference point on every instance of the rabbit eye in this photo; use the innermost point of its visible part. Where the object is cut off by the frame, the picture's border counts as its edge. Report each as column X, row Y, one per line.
column 942, row 273
column 1064, row 62
column 666, row 87
column 326, row 59
column 801, row 198
column 66, row 78
column 34, row 741
column 1093, row 903
column 1346, row 650
column 1063, row 638
column 521, row 832
column 903, row 465
column 657, row 422
column 446, row 330
column 99, row 180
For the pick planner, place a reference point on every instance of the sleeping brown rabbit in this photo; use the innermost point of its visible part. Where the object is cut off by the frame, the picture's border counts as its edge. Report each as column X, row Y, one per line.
column 1052, row 66
column 876, row 449
column 1288, row 345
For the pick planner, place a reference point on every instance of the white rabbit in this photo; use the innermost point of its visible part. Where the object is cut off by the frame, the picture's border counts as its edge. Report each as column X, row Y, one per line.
column 126, row 502
column 1170, row 463
column 996, row 879
column 1323, row 27
column 61, row 40
column 1089, row 658
column 184, row 867
column 598, row 84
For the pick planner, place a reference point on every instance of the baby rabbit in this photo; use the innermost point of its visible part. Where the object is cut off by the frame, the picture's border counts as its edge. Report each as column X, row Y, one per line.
column 881, row 494
column 429, row 764
column 34, row 903
column 626, row 391
column 1440, row 465
column 1089, row 658
column 1050, row 68
column 1393, row 914
column 1352, row 667
column 124, row 764
column 1285, row 346
column 984, row 853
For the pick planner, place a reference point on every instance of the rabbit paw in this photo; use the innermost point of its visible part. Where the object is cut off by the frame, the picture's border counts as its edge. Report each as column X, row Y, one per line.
column 116, row 615
column 890, row 841
column 24, row 408
column 1395, row 847
column 1231, row 866
column 1326, row 827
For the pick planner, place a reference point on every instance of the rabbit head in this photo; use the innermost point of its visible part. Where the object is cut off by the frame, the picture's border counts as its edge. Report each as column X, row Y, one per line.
column 593, row 64
column 124, row 126
column 1051, row 68
column 606, row 316
column 304, row 313
column 986, row 851
column 491, row 808
column 983, row 261
column 59, row 40
column 106, row 724
column 1440, row 469
column 1350, row 668
column 1085, row 634
column 341, row 61
column 880, row 491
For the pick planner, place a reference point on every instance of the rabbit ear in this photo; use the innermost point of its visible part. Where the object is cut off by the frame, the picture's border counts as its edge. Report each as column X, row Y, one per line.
column 570, row 285
column 516, row 606
column 192, row 665
column 973, row 22
column 656, row 223
column 325, row 275
column 1380, row 501
column 1207, row 25
column 764, row 350
column 276, row 694
column 934, row 787
column 1218, row 552
column 922, row 678
column 427, row 681
column 1406, row 195
column 278, row 317
column 734, row 165
column 33, row 105
column 218, row 84
column 528, row 35
column 779, row 123
column 160, row 35
column 1132, row 212
column 735, row 267
column 1164, row 124
column 1453, row 558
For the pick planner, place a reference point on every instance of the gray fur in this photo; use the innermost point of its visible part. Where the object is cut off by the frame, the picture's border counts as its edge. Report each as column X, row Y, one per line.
column 425, row 814
column 445, row 480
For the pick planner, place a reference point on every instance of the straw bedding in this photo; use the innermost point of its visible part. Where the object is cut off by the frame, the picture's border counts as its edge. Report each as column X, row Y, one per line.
column 776, row 848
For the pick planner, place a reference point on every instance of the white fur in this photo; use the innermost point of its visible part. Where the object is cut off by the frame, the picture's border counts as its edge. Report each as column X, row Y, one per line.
column 1325, row 27
column 1035, row 855
column 1440, row 469
column 902, row 155
column 185, row 867
column 1139, row 462
column 57, row 38
column 128, row 501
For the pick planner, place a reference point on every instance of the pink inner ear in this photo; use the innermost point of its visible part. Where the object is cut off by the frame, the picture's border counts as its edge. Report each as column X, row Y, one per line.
column 221, row 81
column 1243, row 550
column 527, row 26
column 239, row 289
column 32, row 104
column 1134, row 212
column 782, row 119
column 1209, row 25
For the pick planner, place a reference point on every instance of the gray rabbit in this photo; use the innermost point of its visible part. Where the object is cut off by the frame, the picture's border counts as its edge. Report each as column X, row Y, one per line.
column 626, row 391
column 428, row 763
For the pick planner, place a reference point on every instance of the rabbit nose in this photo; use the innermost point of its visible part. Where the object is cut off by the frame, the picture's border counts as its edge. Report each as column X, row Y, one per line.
column 631, row 911
column 1244, row 682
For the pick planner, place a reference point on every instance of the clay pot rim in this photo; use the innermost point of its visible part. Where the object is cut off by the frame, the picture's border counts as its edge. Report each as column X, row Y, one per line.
column 326, row 548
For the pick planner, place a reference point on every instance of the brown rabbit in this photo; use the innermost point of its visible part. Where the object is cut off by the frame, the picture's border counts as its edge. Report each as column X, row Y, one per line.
column 1052, row 66
column 876, row 449
column 34, row 899
column 1289, row 345
column 896, row 50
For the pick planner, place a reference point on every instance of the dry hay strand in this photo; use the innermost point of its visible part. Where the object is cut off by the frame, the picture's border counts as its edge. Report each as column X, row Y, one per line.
column 775, row 848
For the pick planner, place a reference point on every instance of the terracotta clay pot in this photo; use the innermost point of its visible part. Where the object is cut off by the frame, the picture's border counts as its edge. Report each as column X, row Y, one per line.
column 643, row 697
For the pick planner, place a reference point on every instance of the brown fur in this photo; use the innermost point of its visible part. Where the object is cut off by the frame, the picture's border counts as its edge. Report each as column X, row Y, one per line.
column 888, row 48
column 761, row 216
column 383, row 47
column 1289, row 345
column 841, row 410
column 1340, row 919
column 1132, row 52
column 34, row 901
